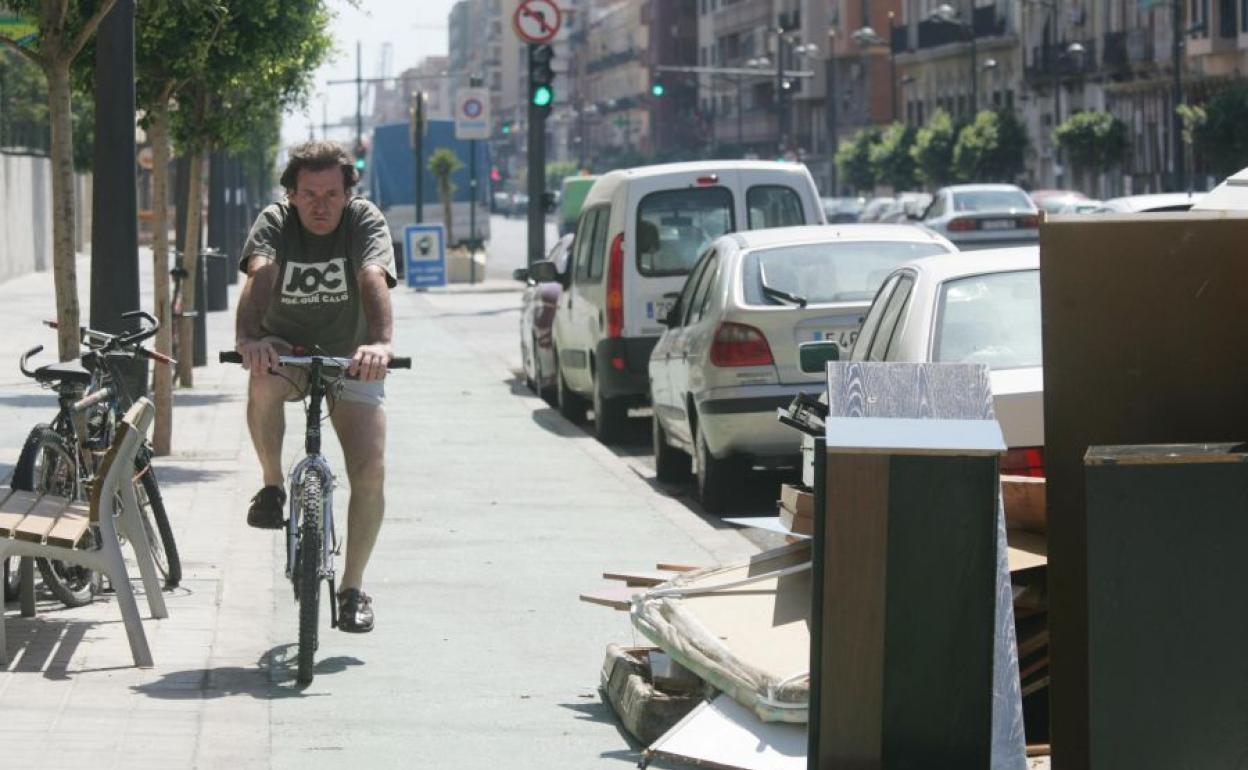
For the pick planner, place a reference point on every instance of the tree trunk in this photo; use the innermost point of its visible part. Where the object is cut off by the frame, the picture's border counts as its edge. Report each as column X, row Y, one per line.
column 445, row 194
column 158, row 134
column 64, row 263
column 190, row 257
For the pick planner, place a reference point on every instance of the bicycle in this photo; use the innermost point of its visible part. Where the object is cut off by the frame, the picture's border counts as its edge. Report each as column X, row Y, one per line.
column 311, row 541
column 178, row 274
column 60, row 456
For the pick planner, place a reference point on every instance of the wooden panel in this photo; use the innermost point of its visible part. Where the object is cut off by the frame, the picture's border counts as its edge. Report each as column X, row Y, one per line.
column 641, row 579
column 910, row 391
column 41, row 518
column 70, row 527
column 16, row 504
column 1143, row 334
column 617, row 598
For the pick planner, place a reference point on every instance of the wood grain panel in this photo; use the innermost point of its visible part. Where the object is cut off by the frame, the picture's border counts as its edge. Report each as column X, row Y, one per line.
column 14, row 509
column 70, row 527
column 910, row 391
column 41, row 518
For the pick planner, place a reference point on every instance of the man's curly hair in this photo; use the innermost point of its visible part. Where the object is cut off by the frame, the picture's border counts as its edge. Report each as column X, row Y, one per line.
column 318, row 155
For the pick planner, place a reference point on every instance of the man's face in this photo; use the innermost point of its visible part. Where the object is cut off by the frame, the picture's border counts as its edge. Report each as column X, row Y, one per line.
column 320, row 199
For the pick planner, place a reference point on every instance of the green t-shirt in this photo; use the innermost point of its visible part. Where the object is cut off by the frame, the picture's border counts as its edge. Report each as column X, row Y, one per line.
column 316, row 301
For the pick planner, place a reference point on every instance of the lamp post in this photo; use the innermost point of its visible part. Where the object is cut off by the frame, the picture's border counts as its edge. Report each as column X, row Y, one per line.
column 947, row 14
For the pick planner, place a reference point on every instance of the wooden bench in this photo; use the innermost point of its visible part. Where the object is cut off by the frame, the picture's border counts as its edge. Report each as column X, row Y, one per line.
column 53, row 527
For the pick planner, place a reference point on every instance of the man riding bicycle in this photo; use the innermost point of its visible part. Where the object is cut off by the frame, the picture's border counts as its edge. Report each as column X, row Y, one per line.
column 319, row 269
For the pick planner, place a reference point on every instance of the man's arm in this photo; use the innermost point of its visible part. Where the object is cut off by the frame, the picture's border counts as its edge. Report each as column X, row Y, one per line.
column 258, row 355
column 371, row 358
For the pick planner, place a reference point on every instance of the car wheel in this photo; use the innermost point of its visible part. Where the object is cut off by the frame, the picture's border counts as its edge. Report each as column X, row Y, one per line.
column 610, row 416
column 717, row 478
column 543, row 390
column 571, row 406
column 671, row 465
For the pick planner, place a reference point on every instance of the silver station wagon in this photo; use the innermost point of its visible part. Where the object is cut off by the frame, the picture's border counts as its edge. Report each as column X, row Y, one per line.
column 729, row 356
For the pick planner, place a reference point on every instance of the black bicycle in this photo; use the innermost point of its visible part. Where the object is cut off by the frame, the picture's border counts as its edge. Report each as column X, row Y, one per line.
column 311, row 541
column 60, row 456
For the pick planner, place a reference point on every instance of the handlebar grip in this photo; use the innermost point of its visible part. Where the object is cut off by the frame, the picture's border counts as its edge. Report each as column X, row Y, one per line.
column 400, row 362
column 92, row 400
column 230, row 357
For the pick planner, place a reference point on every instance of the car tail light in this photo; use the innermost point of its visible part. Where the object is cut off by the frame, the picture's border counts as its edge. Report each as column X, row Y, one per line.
column 1030, row 222
column 961, row 225
column 709, row 179
column 1028, row 461
column 739, row 345
column 615, row 288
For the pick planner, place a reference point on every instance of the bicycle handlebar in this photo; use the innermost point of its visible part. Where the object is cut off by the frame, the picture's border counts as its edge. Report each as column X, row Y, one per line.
column 234, row 357
column 26, row 357
column 105, row 341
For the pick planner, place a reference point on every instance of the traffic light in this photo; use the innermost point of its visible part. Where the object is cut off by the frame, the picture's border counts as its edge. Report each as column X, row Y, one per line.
column 657, row 89
column 541, row 75
column 361, row 156
column 506, row 128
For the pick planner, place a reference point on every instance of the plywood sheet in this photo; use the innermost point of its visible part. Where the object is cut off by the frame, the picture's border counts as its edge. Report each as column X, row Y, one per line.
column 723, row 735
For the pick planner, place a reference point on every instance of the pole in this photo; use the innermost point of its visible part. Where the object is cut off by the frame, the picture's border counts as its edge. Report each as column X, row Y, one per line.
column 418, row 153
column 359, row 95
column 472, row 212
column 781, row 106
column 1057, row 101
column 537, row 175
column 740, row 135
column 830, row 64
column 1175, row 119
column 970, row 28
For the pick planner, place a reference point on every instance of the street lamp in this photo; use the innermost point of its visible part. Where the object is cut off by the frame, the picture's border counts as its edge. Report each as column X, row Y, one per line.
column 947, row 14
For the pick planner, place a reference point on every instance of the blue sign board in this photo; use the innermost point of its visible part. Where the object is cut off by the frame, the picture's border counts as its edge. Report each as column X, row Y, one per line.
column 424, row 248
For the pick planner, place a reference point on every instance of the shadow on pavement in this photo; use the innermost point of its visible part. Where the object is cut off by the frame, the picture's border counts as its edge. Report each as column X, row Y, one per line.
column 599, row 711
column 272, row 677
column 479, row 313
column 46, row 645
column 176, row 474
column 183, row 398
column 30, row 400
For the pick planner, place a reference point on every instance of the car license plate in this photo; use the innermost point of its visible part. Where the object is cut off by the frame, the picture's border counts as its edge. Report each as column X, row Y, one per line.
column 842, row 337
column 657, row 310
column 998, row 224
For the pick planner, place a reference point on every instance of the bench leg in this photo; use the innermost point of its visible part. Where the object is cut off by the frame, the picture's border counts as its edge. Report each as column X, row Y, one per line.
column 27, row 571
column 115, row 567
column 136, row 534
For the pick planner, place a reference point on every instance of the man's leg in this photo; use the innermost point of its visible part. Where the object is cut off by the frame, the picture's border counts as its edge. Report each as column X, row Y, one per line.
column 266, row 419
column 361, row 430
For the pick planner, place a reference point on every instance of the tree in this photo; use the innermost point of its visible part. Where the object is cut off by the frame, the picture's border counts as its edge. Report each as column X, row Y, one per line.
column 933, row 150
column 991, row 148
column 853, row 160
column 442, row 164
column 1221, row 139
column 64, row 28
column 891, row 157
column 1094, row 141
column 260, row 64
column 555, row 172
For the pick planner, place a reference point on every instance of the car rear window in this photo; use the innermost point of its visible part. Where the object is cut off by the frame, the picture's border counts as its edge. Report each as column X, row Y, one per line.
column 991, row 319
column 773, row 205
column 675, row 226
column 844, row 271
column 992, row 200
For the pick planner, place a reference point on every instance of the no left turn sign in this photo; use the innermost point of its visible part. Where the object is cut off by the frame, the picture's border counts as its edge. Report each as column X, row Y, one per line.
column 537, row 21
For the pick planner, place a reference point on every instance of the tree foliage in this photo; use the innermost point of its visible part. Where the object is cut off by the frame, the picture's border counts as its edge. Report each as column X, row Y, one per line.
column 933, row 150
column 1221, row 139
column 1094, row 141
column 853, row 160
column 891, row 157
column 991, row 148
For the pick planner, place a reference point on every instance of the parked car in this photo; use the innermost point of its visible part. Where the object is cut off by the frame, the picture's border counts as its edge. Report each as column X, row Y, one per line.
column 572, row 198
column 537, row 316
column 1056, row 201
column 982, row 307
column 876, row 207
column 640, row 232
column 729, row 356
column 500, row 203
column 519, row 205
column 980, row 216
column 1151, row 203
column 1230, row 195
column 843, row 210
column 907, row 206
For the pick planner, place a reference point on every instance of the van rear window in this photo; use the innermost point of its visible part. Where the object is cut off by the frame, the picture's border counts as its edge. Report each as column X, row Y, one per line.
column 675, row 226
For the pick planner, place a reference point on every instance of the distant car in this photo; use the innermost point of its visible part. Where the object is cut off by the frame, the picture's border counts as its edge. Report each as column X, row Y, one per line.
column 876, row 207
column 537, row 316
column 843, row 210
column 1151, row 203
column 500, row 203
column 1230, row 195
column 1060, row 201
column 907, row 206
column 519, row 205
column 982, row 307
column 980, row 216
column 729, row 355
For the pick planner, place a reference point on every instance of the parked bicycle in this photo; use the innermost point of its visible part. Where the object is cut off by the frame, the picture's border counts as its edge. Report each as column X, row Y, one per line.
column 60, row 456
column 311, row 540
column 176, row 307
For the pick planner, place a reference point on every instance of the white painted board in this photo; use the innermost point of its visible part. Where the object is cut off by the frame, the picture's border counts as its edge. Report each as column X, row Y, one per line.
column 724, row 735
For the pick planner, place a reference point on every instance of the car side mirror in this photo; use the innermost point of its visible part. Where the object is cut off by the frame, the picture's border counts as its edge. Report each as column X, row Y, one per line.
column 520, row 274
column 543, row 271
column 814, row 356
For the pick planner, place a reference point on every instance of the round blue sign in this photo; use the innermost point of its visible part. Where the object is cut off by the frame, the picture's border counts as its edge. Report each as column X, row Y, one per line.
column 473, row 108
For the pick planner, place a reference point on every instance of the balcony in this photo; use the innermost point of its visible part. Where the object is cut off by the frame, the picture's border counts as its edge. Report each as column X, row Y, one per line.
column 1115, row 51
column 1048, row 62
column 741, row 17
column 899, row 39
column 611, row 60
column 984, row 21
column 1140, row 46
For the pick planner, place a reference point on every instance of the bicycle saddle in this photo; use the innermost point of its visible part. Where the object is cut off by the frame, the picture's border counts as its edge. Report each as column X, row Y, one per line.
column 68, row 371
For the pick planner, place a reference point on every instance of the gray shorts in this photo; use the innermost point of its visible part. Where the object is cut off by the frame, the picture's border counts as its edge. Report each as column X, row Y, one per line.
column 370, row 393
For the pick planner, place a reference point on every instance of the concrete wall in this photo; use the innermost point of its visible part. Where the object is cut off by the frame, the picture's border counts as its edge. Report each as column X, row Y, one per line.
column 25, row 214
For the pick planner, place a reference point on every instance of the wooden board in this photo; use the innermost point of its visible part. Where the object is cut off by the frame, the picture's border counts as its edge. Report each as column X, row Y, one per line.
column 70, row 527
column 1024, row 500
column 674, row 567
column 639, row 579
column 723, row 735
column 1143, row 336
column 14, row 509
column 1027, row 550
column 41, row 518
column 617, row 598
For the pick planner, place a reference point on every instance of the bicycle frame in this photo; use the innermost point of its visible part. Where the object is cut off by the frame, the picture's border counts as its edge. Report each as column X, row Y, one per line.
column 313, row 459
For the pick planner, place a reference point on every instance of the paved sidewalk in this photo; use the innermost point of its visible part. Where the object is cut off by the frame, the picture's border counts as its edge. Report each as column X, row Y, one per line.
column 499, row 513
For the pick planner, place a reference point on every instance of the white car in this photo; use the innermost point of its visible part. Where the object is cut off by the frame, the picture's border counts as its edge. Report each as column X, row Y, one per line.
column 1150, row 203
column 982, row 216
column 982, row 307
column 729, row 356
column 639, row 234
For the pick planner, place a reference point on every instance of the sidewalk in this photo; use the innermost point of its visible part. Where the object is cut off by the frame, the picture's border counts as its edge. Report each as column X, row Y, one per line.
column 499, row 513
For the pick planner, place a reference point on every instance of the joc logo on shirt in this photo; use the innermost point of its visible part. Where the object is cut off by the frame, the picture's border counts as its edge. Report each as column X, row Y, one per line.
column 306, row 283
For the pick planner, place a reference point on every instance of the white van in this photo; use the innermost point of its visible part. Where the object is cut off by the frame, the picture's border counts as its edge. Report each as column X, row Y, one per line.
column 640, row 232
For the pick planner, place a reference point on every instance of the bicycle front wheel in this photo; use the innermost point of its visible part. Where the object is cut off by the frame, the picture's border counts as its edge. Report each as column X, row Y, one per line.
column 156, row 524
column 308, row 569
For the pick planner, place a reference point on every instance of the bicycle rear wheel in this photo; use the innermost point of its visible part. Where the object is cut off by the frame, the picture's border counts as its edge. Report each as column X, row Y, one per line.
column 308, row 570
column 156, row 524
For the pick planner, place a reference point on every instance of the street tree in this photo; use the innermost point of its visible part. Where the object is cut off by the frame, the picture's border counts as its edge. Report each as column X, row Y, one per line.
column 442, row 163
column 1094, row 141
column 853, row 160
column 891, row 157
column 933, row 150
column 991, row 148
column 64, row 27
column 258, row 65
column 1220, row 138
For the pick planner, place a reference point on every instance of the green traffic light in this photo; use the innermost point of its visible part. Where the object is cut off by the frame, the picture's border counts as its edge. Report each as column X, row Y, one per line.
column 359, row 164
column 657, row 89
column 543, row 96
column 506, row 128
